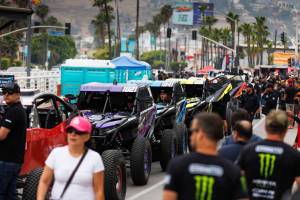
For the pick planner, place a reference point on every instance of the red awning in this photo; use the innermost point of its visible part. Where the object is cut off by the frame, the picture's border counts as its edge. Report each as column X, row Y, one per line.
column 205, row 70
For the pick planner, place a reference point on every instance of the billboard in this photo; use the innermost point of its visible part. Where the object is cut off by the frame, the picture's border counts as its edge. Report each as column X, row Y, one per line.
column 189, row 13
column 198, row 14
column 183, row 13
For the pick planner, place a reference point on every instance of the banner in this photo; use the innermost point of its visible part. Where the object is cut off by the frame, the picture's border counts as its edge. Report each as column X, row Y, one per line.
column 183, row 13
column 280, row 58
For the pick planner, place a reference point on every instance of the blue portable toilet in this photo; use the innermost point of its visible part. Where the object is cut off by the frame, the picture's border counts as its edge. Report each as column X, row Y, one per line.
column 75, row 72
column 131, row 69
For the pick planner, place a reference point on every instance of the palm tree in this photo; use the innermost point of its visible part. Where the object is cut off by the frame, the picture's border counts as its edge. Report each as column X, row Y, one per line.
column 269, row 49
column 99, row 23
column 137, row 28
column 262, row 33
column 107, row 18
column 118, row 43
column 231, row 19
column 246, row 30
column 166, row 13
column 210, row 21
column 42, row 11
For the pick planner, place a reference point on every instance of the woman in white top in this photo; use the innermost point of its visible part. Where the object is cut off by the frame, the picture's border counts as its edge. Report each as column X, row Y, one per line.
column 88, row 181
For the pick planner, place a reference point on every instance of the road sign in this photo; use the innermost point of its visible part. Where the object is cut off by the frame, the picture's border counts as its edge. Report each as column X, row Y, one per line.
column 56, row 33
column 5, row 79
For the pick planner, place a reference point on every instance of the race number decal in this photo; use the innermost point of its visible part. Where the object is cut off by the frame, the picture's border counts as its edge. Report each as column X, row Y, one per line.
column 129, row 89
column 167, row 84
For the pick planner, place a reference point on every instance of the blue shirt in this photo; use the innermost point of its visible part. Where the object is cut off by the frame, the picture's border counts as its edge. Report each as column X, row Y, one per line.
column 231, row 151
column 229, row 140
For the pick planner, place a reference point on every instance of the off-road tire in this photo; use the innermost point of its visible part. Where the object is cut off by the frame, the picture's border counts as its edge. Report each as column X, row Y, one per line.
column 31, row 184
column 182, row 138
column 168, row 147
column 113, row 160
column 139, row 175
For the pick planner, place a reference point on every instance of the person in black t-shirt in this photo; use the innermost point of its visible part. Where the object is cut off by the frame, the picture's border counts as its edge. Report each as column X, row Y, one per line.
column 12, row 141
column 202, row 175
column 269, row 99
column 249, row 101
column 270, row 165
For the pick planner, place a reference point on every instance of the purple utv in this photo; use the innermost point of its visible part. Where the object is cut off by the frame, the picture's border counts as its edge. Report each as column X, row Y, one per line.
column 123, row 118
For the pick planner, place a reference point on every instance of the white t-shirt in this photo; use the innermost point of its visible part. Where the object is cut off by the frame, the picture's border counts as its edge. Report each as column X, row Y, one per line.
column 63, row 165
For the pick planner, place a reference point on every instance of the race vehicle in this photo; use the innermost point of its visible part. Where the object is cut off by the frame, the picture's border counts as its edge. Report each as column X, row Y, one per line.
column 195, row 94
column 170, row 133
column 47, row 116
column 123, row 119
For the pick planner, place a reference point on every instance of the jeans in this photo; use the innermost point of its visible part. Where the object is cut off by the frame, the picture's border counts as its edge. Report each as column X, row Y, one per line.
column 8, row 179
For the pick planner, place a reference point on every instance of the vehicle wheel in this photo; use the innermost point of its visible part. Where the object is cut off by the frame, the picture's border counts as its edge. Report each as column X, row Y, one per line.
column 168, row 147
column 182, row 138
column 114, row 175
column 140, row 161
column 31, row 185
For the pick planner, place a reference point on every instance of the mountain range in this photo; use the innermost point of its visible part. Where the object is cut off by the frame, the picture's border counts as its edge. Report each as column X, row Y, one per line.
column 80, row 12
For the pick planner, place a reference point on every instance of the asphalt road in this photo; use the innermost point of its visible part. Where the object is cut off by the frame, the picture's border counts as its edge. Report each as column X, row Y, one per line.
column 153, row 190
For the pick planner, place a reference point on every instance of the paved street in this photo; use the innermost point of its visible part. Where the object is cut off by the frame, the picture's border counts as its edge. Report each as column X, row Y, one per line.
column 153, row 190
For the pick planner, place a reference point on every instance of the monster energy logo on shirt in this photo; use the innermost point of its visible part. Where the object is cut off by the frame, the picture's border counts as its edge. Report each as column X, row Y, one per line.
column 267, row 158
column 267, row 164
column 204, row 187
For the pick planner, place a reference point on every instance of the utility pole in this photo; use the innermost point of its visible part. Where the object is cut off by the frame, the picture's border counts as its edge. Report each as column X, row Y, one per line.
column 275, row 39
column 28, row 42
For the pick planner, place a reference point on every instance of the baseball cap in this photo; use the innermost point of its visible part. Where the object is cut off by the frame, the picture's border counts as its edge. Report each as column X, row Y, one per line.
column 80, row 124
column 11, row 87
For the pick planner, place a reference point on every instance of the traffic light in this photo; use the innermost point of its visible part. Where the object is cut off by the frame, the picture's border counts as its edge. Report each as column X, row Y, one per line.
column 169, row 32
column 68, row 29
column 36, row 30
column 194, row 35
column 282, row 37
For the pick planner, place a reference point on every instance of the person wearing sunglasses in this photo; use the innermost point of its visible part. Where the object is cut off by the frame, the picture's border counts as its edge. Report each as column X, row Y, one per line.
column 85, row 165
column 12, row 141
column 202, row 174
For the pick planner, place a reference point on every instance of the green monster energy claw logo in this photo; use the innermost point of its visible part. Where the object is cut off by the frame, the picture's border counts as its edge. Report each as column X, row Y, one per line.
column 204, row 187
column 267, row 164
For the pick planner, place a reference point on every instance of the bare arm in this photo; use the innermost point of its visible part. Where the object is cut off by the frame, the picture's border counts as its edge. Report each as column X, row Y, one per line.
column 98, row 184
column 4, row 133
column 44, row 183
column 298, row 181
column 169, row 195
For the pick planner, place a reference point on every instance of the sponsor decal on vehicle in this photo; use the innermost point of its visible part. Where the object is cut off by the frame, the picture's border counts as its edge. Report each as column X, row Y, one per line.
column 129, row 89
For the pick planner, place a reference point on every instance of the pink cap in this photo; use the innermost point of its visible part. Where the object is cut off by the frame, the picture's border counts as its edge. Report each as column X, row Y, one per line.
column 80, row 124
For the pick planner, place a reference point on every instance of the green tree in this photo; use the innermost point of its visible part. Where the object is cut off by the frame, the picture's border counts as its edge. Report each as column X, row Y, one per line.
column 152, row 57
column 53, row 21
column 231, row 19
column 61, row 48
column 246, row 30
column 137, row 35
column 42, row 11
column 178, row 66
column 261, row 31
column 101, row 53
column 106, row 16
